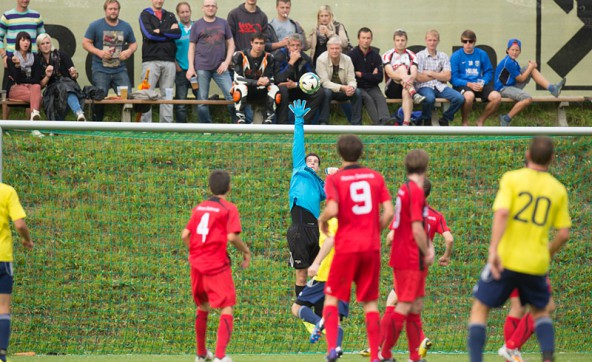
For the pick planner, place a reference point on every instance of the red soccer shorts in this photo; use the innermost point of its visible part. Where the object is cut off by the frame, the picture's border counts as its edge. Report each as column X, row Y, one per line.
column 362, row 268
column 515, row 293
column 409, row 284
column 216, row 289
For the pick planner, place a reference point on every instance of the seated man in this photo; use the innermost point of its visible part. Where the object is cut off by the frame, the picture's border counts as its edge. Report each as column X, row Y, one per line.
column 290, row 64
column 400, row 66
column 336, row 71
column 253, row 79
column 471, row 73
column 433, row 72
column 510, row 81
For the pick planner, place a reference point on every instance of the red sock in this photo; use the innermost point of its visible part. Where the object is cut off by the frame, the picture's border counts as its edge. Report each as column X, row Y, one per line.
column 523, row 331
column 387, row 319
column 422, row 335
column 412, row 92
column 509, row 328
column 414, row 333
column 331, row 315
column 224, row 333
column 201, row 328
column 373, row 331
column 397, row 324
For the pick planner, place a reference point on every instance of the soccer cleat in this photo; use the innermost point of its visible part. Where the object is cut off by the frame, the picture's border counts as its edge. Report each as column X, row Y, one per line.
column 223, row 359
column 208, row 357
column 418, row 98
column 332, row 356
column 317, row 332
column 557, row 89
column 309, row 326
column 512, row 355
column 424, row 346
column 339, row 351
column 365, row 352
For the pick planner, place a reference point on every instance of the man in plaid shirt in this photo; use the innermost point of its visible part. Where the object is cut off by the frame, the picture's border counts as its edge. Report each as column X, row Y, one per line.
column 433, row 72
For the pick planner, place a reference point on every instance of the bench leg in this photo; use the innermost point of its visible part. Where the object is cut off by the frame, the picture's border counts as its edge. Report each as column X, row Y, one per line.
column 438, row 107
column 4, row 111
column 561, row 114
column 126, row 113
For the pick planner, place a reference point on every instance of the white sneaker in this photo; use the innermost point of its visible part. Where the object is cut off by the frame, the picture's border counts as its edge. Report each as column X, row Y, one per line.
column 510, row 354
column 35, row 116
column 37, row 134
column 224, row 359
column 418, row 98
column 80, row 116
column 208, row 357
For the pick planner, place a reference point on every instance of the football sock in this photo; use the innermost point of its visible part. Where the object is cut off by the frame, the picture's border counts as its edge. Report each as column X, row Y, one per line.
column 224, row 333
column 4, row 335
column 307, row 315
column 546, row 336
column 476, row 342
column 386, row 326
column 523, row 331
column 298, row 289
column 331, row 315
column 396, row 326
column 413, row 328
column 510, row 326
column 373, row 331
column 339, row 336
column 201, row 328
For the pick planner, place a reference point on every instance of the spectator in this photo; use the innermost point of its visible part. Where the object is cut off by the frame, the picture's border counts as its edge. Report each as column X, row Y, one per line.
column 159, row 31
column 244, row 21
column 280, row 28
column 182, row 85
column 61, row 89
column 253, row 79
column 326, row 28
column 21, row 18
column 24, row 76
column 290, row 64
column 400, row 66
column 111, row 41
column 433, row 72
column 339, row 82
column 369, row 74
column 510, row 80
column 210, row 54
column 472, row 73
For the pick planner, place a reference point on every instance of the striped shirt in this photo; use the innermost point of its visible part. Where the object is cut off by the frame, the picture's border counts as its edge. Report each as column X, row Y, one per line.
column 13, row 22
column 439, row 63
column 395, row 60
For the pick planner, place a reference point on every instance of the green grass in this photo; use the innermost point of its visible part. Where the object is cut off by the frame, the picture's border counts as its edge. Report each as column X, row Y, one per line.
column 109, row 272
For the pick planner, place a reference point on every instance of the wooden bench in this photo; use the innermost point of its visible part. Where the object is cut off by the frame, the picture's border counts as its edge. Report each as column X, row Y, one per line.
column 562, row 104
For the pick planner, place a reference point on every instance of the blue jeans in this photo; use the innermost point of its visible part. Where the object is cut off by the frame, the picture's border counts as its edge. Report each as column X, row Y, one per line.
column 105, row 82
column 354, row 118
column 74, row 102
column 455, row 98
column 224, row 83
column 182, row 86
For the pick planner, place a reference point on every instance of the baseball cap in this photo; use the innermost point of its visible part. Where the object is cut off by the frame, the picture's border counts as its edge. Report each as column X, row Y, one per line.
column 514, row 41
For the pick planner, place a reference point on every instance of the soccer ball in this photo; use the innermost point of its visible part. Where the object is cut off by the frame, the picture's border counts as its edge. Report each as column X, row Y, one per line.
column 309, row 83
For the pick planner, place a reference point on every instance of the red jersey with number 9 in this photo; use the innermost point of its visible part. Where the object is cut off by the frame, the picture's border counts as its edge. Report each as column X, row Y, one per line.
column 359, row 191
column 209, row 226
column 409, row 207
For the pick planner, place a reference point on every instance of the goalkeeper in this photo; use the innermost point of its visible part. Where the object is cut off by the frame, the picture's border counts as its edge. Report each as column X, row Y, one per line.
column 307, row 190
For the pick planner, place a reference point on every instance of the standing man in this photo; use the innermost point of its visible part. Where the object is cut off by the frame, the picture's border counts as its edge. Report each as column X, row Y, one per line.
column 21, row 18
column 106, row 39
column 159, row 31
column 410, row 257
column 210, row 54
column 213, row 224
column 306, row 193
column 528, row 203
column 290, row 64
column 433, row 73
column 338, row 80
column 369, row 74
column 10, row 209
column 472, row 73
column 182, row 85
column 355, row 195
column 244, row 21
column 281, row 27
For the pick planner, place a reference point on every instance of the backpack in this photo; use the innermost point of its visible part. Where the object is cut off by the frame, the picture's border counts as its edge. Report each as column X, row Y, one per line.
column 348, row 47
column 93, row 93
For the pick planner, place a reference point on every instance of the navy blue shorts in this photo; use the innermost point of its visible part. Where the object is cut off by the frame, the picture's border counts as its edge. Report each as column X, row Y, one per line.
column 314, row 293
column 533, row 289
column 6, row 280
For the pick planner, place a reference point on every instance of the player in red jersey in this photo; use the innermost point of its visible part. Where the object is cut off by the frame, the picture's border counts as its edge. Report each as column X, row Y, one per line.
column 410, row 255
column 213, row 224
column 355, row 195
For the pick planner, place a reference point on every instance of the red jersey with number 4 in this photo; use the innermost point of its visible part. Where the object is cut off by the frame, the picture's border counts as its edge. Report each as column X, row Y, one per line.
column 359, row 191
column 209, row 226
column 436, row 223
column 409, row 207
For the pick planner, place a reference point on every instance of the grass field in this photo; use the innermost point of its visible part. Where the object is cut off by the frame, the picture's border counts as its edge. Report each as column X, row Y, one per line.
column 562, row 357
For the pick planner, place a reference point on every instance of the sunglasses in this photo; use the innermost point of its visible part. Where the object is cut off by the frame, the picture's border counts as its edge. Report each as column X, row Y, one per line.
column 467, row 41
